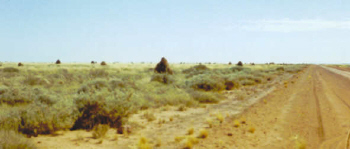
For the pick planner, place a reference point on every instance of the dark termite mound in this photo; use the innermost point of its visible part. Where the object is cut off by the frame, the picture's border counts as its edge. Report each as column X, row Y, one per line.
column 163, row 67
column 58, row 62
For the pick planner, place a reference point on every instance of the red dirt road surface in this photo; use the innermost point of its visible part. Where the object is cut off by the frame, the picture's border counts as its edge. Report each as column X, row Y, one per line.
column 313, row 112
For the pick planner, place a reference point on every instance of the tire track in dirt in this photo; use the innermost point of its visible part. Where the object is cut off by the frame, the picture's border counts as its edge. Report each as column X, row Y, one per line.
column 318, row 111
column 329, row 83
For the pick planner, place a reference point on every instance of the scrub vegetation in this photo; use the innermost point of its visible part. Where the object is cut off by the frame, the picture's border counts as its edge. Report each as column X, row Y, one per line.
column 44, row 98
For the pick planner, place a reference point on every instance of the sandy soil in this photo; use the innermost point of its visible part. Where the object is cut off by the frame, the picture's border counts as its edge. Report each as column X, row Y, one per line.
column 311, row 108
column 314, row 111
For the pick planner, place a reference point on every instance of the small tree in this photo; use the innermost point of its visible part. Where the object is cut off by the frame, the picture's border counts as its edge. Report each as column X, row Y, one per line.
column 239, row 63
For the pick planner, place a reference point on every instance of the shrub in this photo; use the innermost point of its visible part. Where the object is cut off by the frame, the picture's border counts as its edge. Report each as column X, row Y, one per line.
column 162, row 78
column 163, row 67
column 229, row 63
column 98, row 73
column 58, row 62
column 99, row 131
column 93, row 62
column 10, row 139
column 239, row 63
column 238, row 68
column 103, row 63
column 207, row 82
column 10, row 69
column 205, row 97
column 13, row 96
column 20, row 64
column 197, row 68
column 280, row 68
column 34, row 80
column 116, row 83
column 101, row 109
column 37, row 119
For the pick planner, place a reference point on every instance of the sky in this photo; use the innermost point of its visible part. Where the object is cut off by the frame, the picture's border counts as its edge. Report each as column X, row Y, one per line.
column 260, row 31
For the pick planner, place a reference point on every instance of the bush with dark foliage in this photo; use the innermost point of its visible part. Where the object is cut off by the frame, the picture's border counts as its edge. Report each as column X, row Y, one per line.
column 103, row 63
column 239, row 63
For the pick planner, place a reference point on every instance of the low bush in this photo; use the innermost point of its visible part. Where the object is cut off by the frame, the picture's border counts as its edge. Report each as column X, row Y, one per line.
column 35, row 80
column 10, row 139
column 99, row 131
column 101, row 109
column 280, row 68
column 205, row 97
column 163, row 78
column 13, row 96
column 10, row 69
column 98, row 73
column 207, row 82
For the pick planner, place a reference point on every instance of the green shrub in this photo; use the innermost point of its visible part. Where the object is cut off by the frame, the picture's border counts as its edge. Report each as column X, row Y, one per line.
column 93, row 85
column 240, row 68
column 196, row 68
column 10, row 69
column 162, row 78
column 280, row 68
column 35, row 80
column 37, row 119
column 207, row 82
column 98, row 73
column 231, row 82
column 41, row 119
column 116, row 83
column 101, row 109
column 13, row 96
column 10, row 139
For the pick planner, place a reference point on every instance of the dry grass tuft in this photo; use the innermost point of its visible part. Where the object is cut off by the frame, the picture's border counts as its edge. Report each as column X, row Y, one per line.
column 179, row 138
column 149, row 116
column 190, row 131
column 251, row 129
column 203, row 134
column 210, row 122
column 143, row 144
column 99, row 131
column 236, row 123
column 219, row 117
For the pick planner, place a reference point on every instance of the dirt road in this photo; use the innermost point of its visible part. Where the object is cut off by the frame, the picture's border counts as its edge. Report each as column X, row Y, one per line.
column 310, row 110
column 313, row 112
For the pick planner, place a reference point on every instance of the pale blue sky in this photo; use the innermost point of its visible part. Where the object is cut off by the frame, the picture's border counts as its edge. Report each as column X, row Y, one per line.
column 295, row 31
